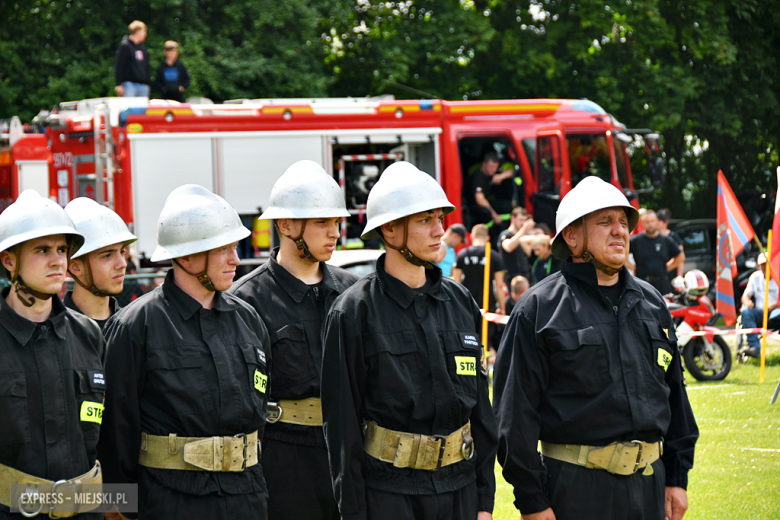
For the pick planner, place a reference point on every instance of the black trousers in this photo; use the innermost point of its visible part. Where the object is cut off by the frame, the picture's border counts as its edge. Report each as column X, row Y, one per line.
column 456, row 505
column 156, row 502
column 579, row 493
column 298, row 481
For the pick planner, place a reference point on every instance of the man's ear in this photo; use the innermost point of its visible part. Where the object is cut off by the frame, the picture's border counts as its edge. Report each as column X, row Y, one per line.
column 288, row 227
column 75, row 266
column 573, row 236
column 8, row 260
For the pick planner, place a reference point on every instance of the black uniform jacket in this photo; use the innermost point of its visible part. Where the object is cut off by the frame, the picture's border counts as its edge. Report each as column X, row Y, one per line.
column 70, row 304
column 51, row 392
column 572, row 369
column 180, row 368
column 293, row 313
column 390, row 356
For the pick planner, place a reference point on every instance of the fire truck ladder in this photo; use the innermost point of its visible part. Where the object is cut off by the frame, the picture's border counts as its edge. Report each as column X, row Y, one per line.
column 358, row 209
column 104, row 161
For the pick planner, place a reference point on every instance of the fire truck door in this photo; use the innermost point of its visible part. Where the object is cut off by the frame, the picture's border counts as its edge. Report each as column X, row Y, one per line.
column 553, row 174
column 33, row 175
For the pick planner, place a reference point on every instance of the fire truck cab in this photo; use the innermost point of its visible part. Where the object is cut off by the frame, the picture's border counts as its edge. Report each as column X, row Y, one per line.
column 129, row 153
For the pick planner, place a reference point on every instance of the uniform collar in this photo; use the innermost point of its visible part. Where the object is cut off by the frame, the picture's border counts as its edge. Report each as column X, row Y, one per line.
column 70, row 304
column 21, row 328
column 295, row 287
column 402, row 293
column 585, row 272
column 186, row 304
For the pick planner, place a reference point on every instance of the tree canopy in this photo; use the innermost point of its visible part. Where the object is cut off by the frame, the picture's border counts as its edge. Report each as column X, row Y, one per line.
column 703, row 73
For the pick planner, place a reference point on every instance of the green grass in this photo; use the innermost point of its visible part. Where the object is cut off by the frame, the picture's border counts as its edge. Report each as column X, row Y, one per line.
column 728, row 480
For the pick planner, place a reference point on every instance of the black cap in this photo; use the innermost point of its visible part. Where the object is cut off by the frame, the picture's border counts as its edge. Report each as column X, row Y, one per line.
column 460, row 229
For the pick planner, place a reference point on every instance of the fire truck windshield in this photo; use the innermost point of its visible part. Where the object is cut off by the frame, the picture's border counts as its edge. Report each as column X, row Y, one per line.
column 588, row 155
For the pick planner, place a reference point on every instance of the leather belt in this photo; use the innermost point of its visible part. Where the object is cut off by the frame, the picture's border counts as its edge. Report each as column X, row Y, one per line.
column 306, row 412
column 620, row 458
column 30, row 485
column 417, row 451
column 222, row 454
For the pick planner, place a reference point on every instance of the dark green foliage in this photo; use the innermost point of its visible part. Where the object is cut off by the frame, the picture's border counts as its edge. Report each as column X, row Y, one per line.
column 701, row 72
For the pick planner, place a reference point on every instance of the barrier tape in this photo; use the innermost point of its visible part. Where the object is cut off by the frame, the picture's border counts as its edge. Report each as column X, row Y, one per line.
column 503, row 319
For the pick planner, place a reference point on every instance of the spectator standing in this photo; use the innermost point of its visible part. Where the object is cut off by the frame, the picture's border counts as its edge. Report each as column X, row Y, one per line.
column 545, row 263
column 753, row 304
column 519, row 286
column 655, row 255
column 512, row 255
column 172, row 77
column 470, row 270
column 453, row 237
column 664, row 216
column 131, row 69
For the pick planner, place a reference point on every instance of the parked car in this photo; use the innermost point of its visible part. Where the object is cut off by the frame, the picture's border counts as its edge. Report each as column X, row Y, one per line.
column 700, row 240
column 359, row 261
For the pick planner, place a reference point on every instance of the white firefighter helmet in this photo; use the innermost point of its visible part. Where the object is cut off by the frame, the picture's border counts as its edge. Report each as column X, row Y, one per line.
column 591, row 194
column 33, row 216
column 100, row 225
column 195, row 220
column 305, row 190
column 696, row 283
column 402, row 190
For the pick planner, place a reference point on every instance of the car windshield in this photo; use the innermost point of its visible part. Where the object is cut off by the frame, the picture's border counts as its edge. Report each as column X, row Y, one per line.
column 589, row 155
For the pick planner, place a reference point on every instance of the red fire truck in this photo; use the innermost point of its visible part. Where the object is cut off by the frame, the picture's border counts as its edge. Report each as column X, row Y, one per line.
column 129, row 153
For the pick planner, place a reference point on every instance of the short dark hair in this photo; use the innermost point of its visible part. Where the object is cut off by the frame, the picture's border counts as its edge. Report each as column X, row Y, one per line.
column 664, row 214
column 490, row 156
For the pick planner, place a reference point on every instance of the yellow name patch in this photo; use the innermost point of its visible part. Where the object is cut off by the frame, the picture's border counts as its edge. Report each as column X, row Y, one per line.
column 664, row 359
column 261, row 381
column 466, row 365
column 92, row 412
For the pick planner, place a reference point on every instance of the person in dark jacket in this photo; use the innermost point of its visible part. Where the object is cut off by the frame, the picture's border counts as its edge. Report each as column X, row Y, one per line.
column 186, row 410
column 589, row 366
column 98, row 267
column 172, row 77
column 131, row 67
column 52, row 382
column 292, row 293
column 405, row 403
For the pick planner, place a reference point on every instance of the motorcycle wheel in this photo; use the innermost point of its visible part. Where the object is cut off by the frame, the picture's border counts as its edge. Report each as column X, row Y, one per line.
column 707, row 361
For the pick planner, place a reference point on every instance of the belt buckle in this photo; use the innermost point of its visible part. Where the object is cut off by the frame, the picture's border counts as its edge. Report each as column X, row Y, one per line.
column 54, row 486
column 442, row 446
column 246, row 445
column 467, row 449
column 273, row 413
column 640, row 445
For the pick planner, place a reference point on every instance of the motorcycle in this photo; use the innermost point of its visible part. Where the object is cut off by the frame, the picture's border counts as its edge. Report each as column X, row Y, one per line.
column 707, row 356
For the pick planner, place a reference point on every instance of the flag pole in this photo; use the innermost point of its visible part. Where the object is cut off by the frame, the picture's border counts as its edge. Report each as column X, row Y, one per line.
column 766, row 305
column 761, row 248
column 486, row 300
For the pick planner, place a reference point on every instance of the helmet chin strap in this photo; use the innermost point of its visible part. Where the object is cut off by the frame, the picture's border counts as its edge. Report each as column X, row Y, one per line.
column 202, row 276
column 587, row 256
column 406, row 252
column 89, row 281
column 25, row 294
column 301, row 245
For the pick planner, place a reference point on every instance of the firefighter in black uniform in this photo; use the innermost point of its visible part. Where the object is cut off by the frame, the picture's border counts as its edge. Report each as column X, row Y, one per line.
column 293, row 293
column 408, row 422
column 98, row 267
column 589, row 366
column 52, row 382
column 186, row 411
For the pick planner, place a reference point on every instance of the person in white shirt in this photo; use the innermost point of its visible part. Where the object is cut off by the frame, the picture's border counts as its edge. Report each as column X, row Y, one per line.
column 753, row 304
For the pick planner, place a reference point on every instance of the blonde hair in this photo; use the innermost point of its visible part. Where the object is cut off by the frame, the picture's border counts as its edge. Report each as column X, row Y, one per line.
column 479, row 231
column 170, row 44
column 135, row 26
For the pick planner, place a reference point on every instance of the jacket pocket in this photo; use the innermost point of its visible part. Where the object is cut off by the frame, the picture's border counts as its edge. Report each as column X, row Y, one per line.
column 464, row 360
column 578, row 360
column 257, row 373
column 90, row 399
column 392, row 360
column 177, row 384
column 13, row 408
column 292, row 360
